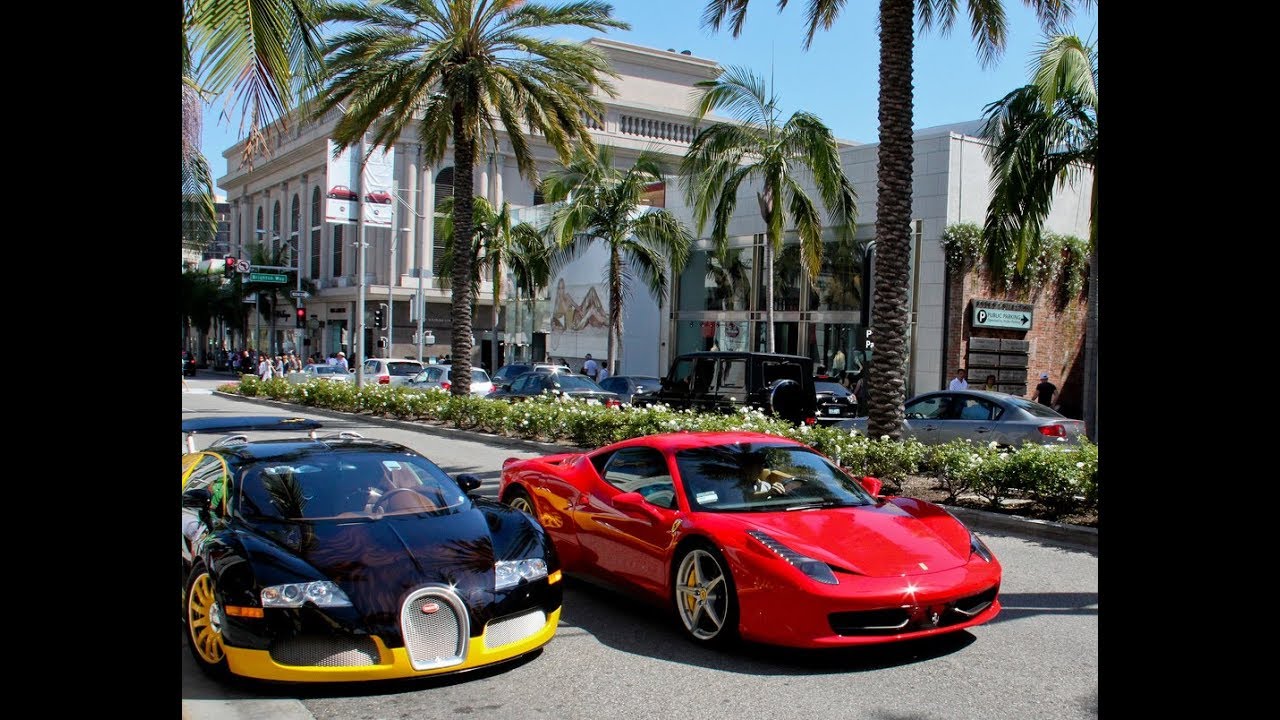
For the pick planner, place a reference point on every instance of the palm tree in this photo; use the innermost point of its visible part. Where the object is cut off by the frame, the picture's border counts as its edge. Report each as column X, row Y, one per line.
column 533, row 259
column 270, row 294
column 456, row 69
column 602, row 203
column 1043, row 135
column 893, row 201
column 492, row 242
column 761, row 149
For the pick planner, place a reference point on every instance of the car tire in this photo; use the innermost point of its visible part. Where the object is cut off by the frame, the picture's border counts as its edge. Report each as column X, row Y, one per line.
column 203, row 619
column 519, row 499
column 704, row 595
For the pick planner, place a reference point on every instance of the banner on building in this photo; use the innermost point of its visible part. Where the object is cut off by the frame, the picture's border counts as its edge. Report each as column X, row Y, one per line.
column 379, row 205
column 341, row 198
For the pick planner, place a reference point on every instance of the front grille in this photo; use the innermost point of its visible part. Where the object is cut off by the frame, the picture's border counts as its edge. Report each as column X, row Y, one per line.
column 911, row 618
column 326, row 651
column 513, row 629
column 434, row 623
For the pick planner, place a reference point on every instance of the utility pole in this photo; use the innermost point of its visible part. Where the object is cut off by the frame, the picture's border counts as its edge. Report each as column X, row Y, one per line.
column 394, row 239
column 360, row 270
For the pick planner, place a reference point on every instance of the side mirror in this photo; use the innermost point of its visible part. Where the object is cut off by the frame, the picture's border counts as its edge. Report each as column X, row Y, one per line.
column 871, row 485
column 635, row 502
column 468, row 482
column 197, row 498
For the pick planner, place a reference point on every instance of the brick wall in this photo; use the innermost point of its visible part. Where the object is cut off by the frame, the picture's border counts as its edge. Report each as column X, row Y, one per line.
column 1056, row 337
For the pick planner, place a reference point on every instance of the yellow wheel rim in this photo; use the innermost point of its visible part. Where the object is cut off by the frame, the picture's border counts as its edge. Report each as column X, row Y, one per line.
column 204, row 620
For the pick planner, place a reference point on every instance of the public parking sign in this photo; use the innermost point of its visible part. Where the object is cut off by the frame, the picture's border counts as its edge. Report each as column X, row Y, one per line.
column 1000, row 314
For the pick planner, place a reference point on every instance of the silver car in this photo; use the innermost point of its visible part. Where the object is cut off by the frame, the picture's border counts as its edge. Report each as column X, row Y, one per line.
column 436, row 377
column 388, row 371
column 331, row 373
column 983, row 417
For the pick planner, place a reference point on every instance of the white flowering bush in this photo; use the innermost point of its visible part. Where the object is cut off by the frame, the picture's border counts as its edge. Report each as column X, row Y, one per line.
column 1058, row 478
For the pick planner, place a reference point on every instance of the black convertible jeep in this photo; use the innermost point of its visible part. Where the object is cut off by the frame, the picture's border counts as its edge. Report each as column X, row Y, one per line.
column 723, row 382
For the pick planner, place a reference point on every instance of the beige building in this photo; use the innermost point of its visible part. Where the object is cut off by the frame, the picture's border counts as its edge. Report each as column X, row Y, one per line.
column 281, row 201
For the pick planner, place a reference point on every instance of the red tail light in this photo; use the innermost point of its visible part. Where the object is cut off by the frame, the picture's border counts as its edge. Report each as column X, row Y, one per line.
column 445, row 385
column 810, row 421
column 1052, row 430
column 384, row 380
column 613, row 403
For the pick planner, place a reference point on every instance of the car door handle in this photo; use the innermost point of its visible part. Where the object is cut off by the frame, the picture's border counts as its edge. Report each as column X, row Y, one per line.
column 983, row 429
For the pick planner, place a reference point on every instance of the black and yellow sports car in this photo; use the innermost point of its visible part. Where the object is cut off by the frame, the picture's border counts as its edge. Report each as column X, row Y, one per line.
column 342, row 558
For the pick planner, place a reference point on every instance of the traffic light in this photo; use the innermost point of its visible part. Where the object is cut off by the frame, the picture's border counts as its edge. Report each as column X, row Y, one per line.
column 229, row 270
column 380, row 317
column 302, row 317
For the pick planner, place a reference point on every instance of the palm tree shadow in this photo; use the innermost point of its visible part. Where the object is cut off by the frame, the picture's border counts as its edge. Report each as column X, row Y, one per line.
column 625, row 623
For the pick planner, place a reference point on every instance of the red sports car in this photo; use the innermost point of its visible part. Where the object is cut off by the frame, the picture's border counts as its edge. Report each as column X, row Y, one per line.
column 757, row 537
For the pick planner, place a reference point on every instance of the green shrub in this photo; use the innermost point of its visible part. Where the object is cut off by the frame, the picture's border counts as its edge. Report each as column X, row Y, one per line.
column 956, row 465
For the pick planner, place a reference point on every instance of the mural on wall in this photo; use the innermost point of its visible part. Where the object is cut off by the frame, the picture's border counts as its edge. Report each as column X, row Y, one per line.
column 579, row 320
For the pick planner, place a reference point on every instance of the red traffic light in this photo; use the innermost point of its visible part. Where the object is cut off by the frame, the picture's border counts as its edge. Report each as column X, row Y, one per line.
column 230, row 268
column 302, row 317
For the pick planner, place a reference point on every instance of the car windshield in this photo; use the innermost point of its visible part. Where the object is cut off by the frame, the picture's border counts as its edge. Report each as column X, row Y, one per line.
column 348, row 485
column 479, row 376
column 327, row 370
column 403, row 369
column 1035, row 408
column 573, row 382
column 762, row 477
column 830, row 387
column 510, row 371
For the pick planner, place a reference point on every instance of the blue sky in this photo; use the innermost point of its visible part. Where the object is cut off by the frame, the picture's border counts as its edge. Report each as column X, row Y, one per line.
column 837, row 78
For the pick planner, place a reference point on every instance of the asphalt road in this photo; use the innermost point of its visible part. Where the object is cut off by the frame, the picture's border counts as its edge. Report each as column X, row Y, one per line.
column 615, row 658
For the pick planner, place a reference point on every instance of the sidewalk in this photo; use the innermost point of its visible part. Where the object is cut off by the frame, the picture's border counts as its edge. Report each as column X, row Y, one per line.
column 1073, row 537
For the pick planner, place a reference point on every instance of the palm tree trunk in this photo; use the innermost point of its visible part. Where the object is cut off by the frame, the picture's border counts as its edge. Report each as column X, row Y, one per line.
column 493, row 346
column 893, row 213
column 615, row 304
column 766, row 200
column 464, row 158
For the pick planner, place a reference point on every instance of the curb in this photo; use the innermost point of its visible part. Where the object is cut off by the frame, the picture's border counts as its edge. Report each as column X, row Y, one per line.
column 1071, row 536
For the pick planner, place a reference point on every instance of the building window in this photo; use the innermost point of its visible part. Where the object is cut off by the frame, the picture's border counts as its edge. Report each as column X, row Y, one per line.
column 337, row 250
column 444, row 189
column 275, row 232
column 258, row 229
column 295, row 224
column 315, row 232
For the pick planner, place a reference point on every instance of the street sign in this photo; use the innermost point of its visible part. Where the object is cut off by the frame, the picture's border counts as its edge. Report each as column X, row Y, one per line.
column 301, row 294
column 998, row 314
column 242, row 266
column 268, row 278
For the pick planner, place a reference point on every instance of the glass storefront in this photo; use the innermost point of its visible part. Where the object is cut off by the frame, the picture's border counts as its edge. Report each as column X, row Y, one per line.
column 720, row 302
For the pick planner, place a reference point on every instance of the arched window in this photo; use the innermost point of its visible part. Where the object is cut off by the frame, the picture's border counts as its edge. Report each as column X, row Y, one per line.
column 295, row 222
column 444, row 190
column 315, row 232
column 258, row 229
column 275, row 231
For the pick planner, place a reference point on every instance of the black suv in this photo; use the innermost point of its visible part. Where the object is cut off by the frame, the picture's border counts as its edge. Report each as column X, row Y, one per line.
column 723, row 382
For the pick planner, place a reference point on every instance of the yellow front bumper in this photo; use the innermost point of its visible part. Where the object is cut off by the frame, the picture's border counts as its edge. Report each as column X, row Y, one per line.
column 393, row 663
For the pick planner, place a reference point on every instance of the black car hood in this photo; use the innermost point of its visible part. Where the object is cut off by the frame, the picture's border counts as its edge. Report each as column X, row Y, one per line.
column 378, row 562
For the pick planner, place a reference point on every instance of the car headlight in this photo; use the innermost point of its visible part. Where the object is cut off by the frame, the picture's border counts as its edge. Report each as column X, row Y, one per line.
column 320, row 593
column 509, row 573
column 815, row 569
column 979, row 548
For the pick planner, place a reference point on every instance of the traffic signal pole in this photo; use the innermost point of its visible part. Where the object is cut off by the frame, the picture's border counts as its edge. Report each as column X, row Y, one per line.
column 360, row 272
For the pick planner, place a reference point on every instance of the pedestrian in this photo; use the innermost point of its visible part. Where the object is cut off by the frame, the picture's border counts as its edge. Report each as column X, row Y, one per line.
column 264, row 368
column 341, row 361
column 183, row 375
column 990, row 384
column 1046, row 393
column 837, row 365
column 860, row 393
column 960, row 381
column 590, row 367
column 604, row 373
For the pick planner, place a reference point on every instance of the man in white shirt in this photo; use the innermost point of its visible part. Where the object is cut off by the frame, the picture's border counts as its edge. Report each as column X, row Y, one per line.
column 960, row 381
column 590, row 367
column 604, row 373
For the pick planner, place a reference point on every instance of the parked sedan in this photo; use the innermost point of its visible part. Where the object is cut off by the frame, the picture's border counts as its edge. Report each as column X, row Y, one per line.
column 835, row 402
column 627, row 386
column 437, row 377
column 387, row 371
column 533, row 384
column 1008, row 420
column 330, row 373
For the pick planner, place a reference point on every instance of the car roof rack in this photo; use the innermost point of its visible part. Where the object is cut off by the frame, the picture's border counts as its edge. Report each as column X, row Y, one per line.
column 210, row 425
